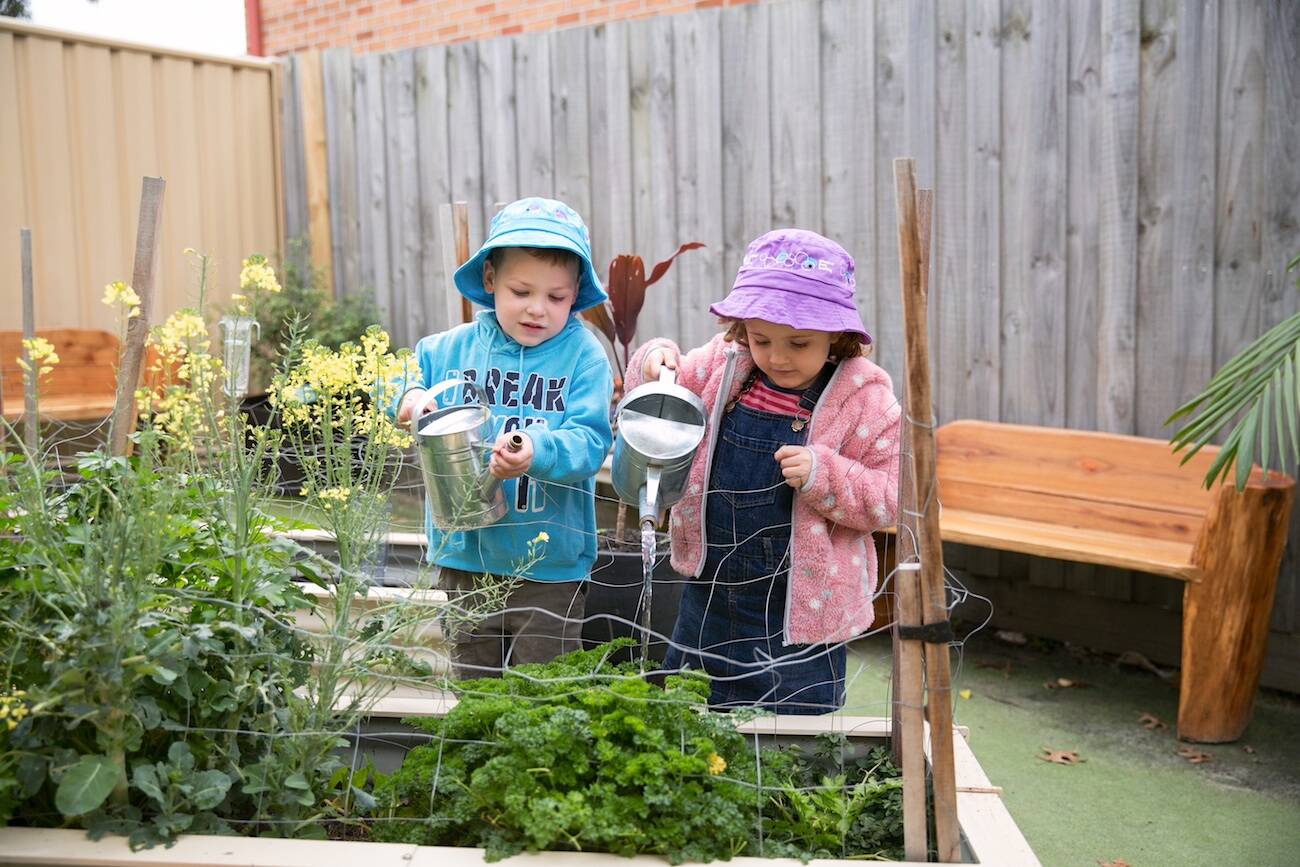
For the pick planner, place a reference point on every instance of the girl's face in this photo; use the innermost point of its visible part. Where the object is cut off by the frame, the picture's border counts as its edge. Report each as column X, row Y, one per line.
column 791, row 358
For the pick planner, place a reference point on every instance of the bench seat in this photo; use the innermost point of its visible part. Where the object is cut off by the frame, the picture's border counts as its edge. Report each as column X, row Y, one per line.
column 1129, row 502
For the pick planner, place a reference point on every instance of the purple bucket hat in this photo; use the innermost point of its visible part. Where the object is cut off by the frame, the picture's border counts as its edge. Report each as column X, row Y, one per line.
column 797, row 278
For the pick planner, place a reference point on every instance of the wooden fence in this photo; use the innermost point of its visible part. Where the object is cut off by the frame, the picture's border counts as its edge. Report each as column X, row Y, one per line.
column 82, row 120
column 1117, row 191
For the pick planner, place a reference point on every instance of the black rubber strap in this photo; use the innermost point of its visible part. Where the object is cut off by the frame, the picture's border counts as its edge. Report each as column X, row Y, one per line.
column 939, row 632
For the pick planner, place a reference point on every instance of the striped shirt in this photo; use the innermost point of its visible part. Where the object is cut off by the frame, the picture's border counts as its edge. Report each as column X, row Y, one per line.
column 765, row 397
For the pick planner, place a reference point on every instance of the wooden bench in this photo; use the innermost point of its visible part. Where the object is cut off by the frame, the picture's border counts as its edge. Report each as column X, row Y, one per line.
column 81, row 386
column 1125, row 502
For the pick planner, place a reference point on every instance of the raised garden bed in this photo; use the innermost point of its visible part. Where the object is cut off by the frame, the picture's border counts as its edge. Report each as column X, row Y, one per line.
column 989, row 836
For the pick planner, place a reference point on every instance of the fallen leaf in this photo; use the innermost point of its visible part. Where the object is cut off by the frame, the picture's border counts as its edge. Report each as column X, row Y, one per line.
column 1118, row 862
column 1065, row 683
column 1151, row 722
column 1195, row 756
column 1060, row 757
column 1137, row 660
column 1004, row 666
column 1008, row 637
column 1248, row 749
column 965, row 693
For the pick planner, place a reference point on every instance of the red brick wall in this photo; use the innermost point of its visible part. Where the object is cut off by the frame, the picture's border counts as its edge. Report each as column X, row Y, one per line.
column 382, row 25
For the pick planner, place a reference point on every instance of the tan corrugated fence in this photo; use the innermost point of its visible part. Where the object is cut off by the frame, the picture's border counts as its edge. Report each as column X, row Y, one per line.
column 82, row 120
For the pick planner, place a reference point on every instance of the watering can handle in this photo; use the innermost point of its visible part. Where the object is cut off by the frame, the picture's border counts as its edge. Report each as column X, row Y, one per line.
column 435, row 390
column 668, row 375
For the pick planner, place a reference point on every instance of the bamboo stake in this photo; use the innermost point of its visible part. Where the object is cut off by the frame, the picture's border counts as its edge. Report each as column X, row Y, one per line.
column 913, row 271
column 137, row 327
column 31, row 424
column 453, row 221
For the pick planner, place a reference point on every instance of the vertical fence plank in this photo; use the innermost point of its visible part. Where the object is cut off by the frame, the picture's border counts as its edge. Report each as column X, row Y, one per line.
column 698, row 128
column 497, row 125
column 1196, row 65
column 1082, row 278
column 949, row 274
column 1239, row 179
column 890, row 142
column 1042, row 352
column 656, row 158
column 406, row 311
column 612, row 194
column 796, row 110
column 1282, row 230
column 291, row 155
column 746, row 130
column 340, row 121
column 1158, row 340
column 1018, row 401
column 535, row 152
column 570, row 125
column 847, row 141
column 312, row 108
column 980, row 375
column 464, row 133
column 434, row 181
column 372, row 155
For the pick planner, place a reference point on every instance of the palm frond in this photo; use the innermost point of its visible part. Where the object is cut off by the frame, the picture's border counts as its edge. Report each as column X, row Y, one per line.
column 1255, row 399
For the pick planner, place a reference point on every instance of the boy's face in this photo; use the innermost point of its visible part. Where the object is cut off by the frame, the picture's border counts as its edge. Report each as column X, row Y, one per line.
column 533, row 296
column 790, row 358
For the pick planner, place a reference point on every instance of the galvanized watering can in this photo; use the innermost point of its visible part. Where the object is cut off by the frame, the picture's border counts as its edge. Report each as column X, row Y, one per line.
column 660, row 425
column 454, row 444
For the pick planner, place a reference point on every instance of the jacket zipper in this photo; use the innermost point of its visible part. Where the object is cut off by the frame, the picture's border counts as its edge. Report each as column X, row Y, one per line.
column 789, row 585
column 716, row 417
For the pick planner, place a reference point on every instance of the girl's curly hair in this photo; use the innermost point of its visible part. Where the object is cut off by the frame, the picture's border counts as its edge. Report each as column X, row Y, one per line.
column 845, row 344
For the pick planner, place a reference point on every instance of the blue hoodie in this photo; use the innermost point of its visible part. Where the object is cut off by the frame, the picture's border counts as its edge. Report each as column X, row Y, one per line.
column 559, row 391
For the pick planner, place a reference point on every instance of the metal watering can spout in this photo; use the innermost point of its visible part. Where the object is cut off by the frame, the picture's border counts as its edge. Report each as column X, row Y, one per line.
column 648, row 507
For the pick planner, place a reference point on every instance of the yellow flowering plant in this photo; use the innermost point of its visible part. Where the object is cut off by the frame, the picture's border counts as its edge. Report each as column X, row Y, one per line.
column 182, row 401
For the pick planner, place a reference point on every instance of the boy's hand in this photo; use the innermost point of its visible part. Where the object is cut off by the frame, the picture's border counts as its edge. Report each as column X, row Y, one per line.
column 656, row 359
column 511, row 456
column 409, row 403
column 796, row 465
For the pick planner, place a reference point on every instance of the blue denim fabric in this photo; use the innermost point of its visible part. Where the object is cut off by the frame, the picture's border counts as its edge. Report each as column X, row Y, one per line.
column 735, row 614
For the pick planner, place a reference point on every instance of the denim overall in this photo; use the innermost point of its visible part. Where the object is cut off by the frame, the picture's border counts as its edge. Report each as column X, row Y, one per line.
column 735, row 612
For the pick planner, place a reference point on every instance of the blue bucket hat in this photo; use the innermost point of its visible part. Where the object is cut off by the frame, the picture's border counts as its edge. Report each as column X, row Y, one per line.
column 534, row 222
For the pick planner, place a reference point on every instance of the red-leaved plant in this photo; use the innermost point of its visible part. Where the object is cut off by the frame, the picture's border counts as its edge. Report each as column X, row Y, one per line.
column 616, row 318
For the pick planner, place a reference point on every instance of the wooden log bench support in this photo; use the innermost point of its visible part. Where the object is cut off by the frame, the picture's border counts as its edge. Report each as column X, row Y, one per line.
column 1125, row 502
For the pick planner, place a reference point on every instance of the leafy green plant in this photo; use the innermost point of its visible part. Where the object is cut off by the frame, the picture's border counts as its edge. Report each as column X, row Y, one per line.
column 586, row 755
column 1257, row 393
column 576, row 754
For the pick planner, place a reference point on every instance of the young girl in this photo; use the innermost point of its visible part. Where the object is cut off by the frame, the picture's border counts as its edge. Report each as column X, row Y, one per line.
column 799, row 467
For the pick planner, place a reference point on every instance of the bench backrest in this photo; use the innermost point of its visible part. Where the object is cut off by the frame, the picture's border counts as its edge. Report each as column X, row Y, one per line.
column 1070, row 478
column 87, row 362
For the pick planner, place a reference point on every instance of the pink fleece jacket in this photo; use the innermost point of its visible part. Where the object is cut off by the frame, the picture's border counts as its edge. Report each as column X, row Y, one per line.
column 853, row 437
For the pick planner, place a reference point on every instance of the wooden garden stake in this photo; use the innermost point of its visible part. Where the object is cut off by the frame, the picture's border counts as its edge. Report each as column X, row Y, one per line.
column 913, row 272
column 31, row 424
column 137, row 327
column 453, row 221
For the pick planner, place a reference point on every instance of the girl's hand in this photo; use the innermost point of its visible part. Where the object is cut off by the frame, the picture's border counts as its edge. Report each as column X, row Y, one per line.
column 409, row 403
column 796, row 465
column 511, row 456
column 656, row 359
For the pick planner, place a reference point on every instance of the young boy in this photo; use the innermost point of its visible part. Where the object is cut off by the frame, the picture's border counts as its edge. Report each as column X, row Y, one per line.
column 548, row 378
